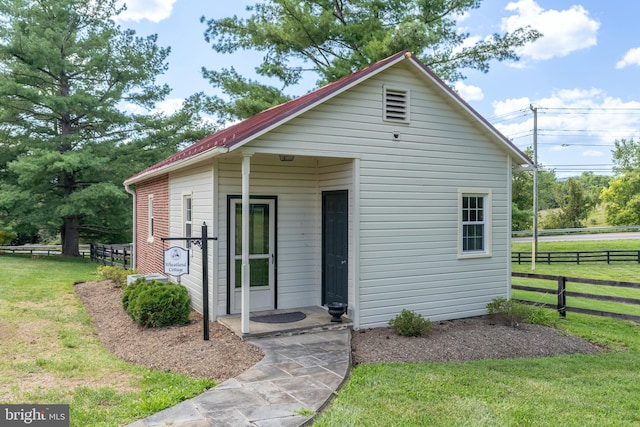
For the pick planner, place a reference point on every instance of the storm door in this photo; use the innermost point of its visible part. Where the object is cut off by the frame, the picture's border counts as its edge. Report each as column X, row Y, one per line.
column 261, row 254
column 335, row 246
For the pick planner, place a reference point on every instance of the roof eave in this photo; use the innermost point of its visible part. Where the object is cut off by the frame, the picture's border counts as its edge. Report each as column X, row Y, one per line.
column 516, row 153
column 153, row 173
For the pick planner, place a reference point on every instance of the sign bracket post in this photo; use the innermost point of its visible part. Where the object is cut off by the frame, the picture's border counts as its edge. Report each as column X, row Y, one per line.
column 202, row 243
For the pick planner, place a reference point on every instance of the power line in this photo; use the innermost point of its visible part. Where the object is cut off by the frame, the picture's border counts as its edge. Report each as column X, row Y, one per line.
column 591, row 109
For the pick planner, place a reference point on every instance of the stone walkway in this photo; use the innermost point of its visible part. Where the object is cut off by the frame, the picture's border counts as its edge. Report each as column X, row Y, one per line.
column 296, row 378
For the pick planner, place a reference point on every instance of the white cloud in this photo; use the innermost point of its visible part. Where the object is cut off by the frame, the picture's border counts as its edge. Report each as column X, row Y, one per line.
column 510, row 105
column 166, row 107
column 632, row 57
column 573, row 126
column 461, row 17
column 169, row 106
column 564, row 31
column 151, row 10
column 469, row 92
column 593, row 153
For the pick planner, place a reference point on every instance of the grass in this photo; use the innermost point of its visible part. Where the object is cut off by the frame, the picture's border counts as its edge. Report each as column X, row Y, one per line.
column 582, row 245
column 620, row 271
column 50, row 352
column 572, row 390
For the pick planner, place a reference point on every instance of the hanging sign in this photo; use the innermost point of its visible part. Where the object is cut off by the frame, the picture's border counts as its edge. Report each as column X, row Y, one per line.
column 176, row 261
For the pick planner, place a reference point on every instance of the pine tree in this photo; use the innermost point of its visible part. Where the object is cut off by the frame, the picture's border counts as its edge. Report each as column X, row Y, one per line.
column 67, row 72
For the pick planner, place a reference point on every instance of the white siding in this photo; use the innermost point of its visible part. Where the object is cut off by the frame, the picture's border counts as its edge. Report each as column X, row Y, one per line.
column 197, row 181
column 295, row 186
column 408, row 198
column 408, row 188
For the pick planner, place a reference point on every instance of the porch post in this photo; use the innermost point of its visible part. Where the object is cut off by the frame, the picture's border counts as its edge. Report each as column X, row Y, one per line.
column 245, row 306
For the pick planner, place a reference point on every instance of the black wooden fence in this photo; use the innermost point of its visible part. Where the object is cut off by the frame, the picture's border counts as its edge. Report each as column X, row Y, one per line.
column 562, row 294
column 578, row 257
column 114, row 255
column 37, row 250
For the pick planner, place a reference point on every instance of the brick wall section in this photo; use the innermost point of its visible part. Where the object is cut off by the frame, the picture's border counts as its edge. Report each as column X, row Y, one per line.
column 149, row 251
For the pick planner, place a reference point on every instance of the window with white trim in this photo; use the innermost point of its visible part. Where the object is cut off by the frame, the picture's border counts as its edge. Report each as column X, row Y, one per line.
column 396, row 105
column 187, row 203
column 475, row 223
column 150, row 217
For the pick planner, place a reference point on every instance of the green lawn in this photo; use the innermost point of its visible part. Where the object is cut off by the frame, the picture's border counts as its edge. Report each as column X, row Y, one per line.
column 573, row 246
column 50, row 352
column 619, row 271
column 575, row 390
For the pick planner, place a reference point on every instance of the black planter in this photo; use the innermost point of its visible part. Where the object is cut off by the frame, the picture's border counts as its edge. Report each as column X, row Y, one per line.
column 336, row 310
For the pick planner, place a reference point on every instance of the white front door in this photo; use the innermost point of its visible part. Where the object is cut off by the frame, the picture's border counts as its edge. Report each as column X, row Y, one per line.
column 261, row 254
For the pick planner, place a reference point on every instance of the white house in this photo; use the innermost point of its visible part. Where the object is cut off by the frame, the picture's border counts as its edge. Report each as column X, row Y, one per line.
column 383, row 190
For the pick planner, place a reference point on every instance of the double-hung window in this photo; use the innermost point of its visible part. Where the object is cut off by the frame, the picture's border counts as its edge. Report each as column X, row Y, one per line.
column 150, row 218
column 188, row 216
column 475, row 223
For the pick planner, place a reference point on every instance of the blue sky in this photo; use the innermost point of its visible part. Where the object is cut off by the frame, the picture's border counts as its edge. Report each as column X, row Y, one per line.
column 582, row 76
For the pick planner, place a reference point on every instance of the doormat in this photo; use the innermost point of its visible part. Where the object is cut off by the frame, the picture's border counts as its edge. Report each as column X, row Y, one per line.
column 294, row 316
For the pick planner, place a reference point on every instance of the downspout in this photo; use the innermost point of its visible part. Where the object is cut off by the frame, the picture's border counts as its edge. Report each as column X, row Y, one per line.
column 135, row 225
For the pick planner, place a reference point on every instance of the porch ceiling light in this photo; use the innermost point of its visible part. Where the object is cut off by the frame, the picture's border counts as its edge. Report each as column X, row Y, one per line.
column 287, row 157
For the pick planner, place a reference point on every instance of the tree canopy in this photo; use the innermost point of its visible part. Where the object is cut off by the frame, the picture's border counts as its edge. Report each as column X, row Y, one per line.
column 522, row 194
column 333, row 38
column 622, row 197
column 574, row 206
column 68, row 74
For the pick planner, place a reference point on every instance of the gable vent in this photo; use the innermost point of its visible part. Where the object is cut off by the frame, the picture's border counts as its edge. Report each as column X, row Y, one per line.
column 396, row 105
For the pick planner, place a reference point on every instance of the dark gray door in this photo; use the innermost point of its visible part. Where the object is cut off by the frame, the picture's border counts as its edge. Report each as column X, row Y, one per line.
column 335, row 246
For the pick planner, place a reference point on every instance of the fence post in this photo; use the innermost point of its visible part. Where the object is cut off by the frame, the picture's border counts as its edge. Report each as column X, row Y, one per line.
column 578, row 258
column 562, row 298
column 124, row 258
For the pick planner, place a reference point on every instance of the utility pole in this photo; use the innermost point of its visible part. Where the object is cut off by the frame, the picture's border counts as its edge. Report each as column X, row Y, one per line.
column 534, row 248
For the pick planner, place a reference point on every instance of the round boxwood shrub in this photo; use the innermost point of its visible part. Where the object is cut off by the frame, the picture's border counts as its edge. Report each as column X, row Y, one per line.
column 157, row 304
column 130, row 292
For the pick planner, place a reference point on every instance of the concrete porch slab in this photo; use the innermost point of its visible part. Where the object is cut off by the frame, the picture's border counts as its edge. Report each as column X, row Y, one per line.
column 317, row 319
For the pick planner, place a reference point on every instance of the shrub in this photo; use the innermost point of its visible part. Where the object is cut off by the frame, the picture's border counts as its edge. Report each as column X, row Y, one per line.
column 506, row 311
column 538, row 315
column 6, row 237
column 117, row 275
column 130, row 292
column 410, row 324
column 513, row 313
column 157, row 304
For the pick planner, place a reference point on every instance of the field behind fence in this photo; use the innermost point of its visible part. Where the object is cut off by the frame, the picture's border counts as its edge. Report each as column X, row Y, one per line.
column 114, row 255
column 597, row 277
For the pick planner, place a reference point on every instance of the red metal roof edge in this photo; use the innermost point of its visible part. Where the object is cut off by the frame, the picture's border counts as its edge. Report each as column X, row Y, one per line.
column 464, row 103
column 241, row 131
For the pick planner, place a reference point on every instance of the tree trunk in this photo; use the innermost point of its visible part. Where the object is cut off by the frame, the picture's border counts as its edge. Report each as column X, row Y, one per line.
column 70, row 236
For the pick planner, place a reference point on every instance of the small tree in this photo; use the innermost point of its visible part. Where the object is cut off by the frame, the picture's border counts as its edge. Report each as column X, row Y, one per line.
column 575, row 206
column 622, row 199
